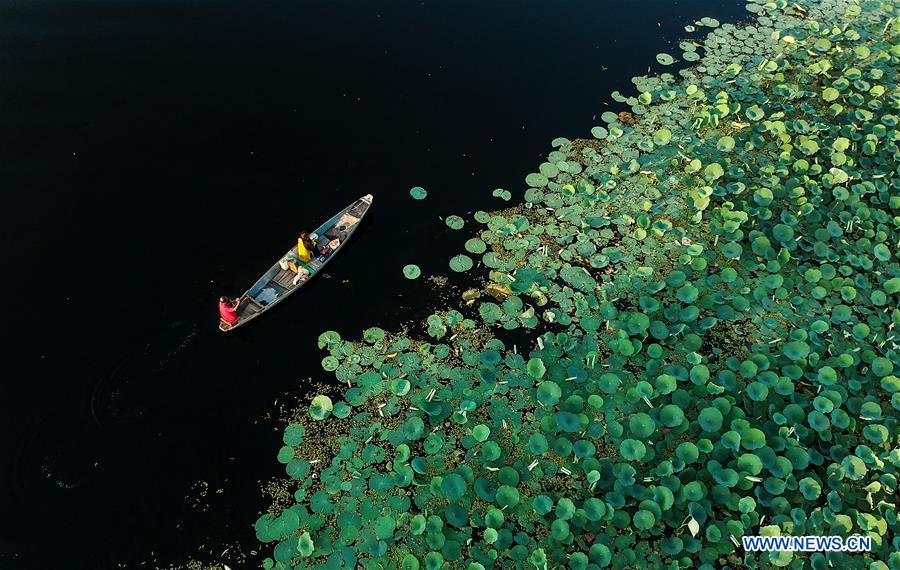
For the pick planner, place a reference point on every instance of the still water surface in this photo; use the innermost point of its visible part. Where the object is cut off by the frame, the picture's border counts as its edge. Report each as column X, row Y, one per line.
column 156, row 154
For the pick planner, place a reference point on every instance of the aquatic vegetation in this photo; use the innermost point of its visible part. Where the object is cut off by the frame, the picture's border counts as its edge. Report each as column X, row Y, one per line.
column 455, row 222
column 709, row 295
column 412, row 271
column 461, row 263
column 504, row 195
column 418, row 193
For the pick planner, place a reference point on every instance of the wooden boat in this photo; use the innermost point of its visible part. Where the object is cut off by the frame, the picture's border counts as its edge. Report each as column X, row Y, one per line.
column 277, row 283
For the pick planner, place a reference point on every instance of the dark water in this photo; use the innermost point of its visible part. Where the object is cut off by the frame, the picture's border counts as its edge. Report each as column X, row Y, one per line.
column 156, row 154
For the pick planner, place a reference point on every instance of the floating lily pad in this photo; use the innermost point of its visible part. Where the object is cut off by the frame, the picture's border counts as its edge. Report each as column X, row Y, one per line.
column 454, row 222
column 412, row 271
column 505, row 195
column 293, row 434
column 476, row 246
column 664, row 59
column 461, row 263
column 599, row 132
column 662, row 136
column 321, row 407
column 536, row 180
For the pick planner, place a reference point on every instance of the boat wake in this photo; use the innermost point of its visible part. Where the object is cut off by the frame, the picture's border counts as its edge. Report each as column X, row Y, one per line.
column 119, row 395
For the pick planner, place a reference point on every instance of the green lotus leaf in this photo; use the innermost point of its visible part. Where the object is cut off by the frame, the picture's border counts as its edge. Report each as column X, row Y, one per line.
column 753, row 438
column 542, row 504
column 699, row 374
column 455, row 222
column 285, row 454
column 565, row 509
column 460, row 263
column 662, row 137
column 687, row 452
column 490, row 312
column 490, row 535
column 536, row 369
column 830, row 94
column 481, row 432
column 892, row 285
column 664, row 59
column 411, row 271
column 757, row 391
column 594, row 509
column 330, row 363
column 810, row 488
column 710, row 419
column 417, row 524
column 296, row 468
column 414, row 428
column 536, row 180
column 818, row 421
column 490, row 451
column 400, row 386
column 599, row 132
column 321, row 407
column 548, row 392
column 475, row 246
column 567, row 421
column 454, row 486
column 293, row 434
column 641, row 425
column 644, row 520
column 305, row 545
column 783, row 233
column 713, row 172
column 559, row 529
column 418, row 193
column 409, row 562
column 608, row 117
column 882, row 367
column 609, row 382
column 549, row 170
column 507, row 496
column 373, row 335
column 505, row 195
column 328, row 339
column 632, row 449
column 687, row 293
column 286, row 550
column 671, row 415
column 583, row 448
column 797, row 350
column 754, row 113
column 537, row 444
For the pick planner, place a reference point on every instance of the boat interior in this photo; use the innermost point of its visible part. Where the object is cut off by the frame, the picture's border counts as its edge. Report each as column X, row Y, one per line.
column 276, row 282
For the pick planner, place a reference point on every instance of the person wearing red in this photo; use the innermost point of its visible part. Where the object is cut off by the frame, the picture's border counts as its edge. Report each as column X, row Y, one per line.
column 228, row 310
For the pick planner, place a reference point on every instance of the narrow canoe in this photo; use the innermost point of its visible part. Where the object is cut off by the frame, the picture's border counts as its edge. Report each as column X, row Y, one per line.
column 277, row 283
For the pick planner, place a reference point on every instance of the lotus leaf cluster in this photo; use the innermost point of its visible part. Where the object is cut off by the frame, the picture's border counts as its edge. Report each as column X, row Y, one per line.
column 709, row 293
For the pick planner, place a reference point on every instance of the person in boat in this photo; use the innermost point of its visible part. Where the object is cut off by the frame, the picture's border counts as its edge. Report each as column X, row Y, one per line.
column 228, row 310
column 305, row 247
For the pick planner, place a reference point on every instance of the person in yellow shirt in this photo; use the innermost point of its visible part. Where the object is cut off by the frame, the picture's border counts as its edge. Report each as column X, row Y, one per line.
column 305, row 247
